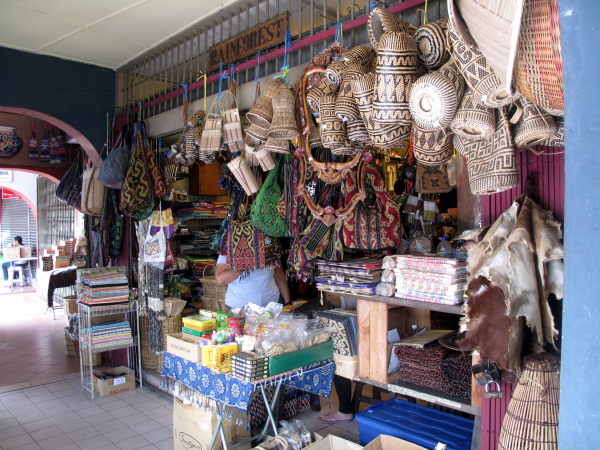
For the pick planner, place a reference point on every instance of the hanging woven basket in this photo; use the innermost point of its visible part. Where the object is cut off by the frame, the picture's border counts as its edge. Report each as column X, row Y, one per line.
column 284, row 124
column 336, row 69
column 349, row 148
column 278, row 145
column 261, row 115
column 534, row 127
column 473, row 120
column 333, row 131
column 257, row 132
column 314, row 140
column 232, row 126
column 346, row 109
column 432, row 148
column 558, row 138
column 538, row 66
column 265, row 159
column 396, row 71
column 431, row 44
column 357, row 132
column 491, row 163
column 210, row 142
column 381, row 21
column 242, row 173
column 434, row 98
column 323, row 88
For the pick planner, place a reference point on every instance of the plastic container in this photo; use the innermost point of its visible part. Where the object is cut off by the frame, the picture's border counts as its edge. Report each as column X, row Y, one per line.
column 414, row 423
column 444, row 247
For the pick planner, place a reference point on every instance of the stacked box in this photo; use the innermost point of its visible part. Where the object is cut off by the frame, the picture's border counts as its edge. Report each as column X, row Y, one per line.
column 249, row 366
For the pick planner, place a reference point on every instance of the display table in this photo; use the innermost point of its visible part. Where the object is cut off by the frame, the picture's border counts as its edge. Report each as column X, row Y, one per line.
column 12, row 265
column 228, row 391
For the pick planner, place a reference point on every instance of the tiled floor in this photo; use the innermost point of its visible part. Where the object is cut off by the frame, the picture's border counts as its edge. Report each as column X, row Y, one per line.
column 59, row 416
column 32, row 344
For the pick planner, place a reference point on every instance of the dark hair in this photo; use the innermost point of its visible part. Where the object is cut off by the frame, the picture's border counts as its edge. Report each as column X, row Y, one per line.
column 19, row 239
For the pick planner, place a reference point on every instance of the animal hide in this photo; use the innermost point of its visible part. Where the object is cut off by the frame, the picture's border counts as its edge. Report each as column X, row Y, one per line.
column 519, row 262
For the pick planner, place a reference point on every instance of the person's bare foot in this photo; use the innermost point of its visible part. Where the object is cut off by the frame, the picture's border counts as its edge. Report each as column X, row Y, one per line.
column 336, row 417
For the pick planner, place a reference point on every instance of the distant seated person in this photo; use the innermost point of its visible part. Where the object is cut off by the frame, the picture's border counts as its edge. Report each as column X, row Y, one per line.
column 18, row 242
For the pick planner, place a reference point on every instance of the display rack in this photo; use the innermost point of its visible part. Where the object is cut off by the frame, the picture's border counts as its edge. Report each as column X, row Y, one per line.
column 134, row 356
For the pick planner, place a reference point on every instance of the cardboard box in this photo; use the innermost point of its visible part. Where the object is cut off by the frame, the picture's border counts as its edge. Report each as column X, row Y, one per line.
column 266, row 445
column 49, row 252
column 12, row 252
column 346, row 366
column 200, row 323
column 384, row 442
column 104, row 388
column 185, row 350
column 25, row 252
column 193, row 428
column 332, row 442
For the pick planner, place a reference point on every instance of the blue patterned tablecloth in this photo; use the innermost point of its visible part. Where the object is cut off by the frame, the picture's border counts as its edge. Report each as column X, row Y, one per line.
column 232, row 391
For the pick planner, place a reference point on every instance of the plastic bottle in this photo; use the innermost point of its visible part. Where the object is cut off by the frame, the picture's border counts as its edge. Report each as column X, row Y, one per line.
column 444, row 247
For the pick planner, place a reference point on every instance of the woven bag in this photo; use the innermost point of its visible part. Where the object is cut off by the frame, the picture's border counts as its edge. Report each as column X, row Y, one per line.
column 232, row 126
column 261, row 115
column 242, row 173
column 257, row 132
column 375, row 222
column 264, row 213
column 265, row 158
column 114, row 167
column 10, row 143
column 431, row 43
column 477, row 72
column 245, row 246
column 333, row 130
column 538, row 65
column 92, row 193
column 396, row 71
column 345, row 108
column 70, row 186
column 491, row 163
column 473, row 120
column 434, row 98
column 323, row 88
column 432, row 179
column 283, row 125
column 337, row 68
column 432, row 148
column 210, row 142
column 534, row 127
column 381, row 21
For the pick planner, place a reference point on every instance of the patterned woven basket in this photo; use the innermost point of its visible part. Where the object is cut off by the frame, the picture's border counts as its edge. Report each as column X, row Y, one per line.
column 232, row 126
column 262, row 114
column 349, row 148
column 336, row 69
column 473, row 120
column 531, row 420
column 171, row 325
column 381, row 21
column 477, row 72
column 173, row 306
column 96, row 357
column 345, row 108
column 256, row 132
column 558, row 139
column 534, row 127
column 70, row 304
column 357, row 131
column 284, row 124
column 434, row 98
column 242, row 173
column 251, row 144
column 265, row 159
column 431, row 43
column 538, row 66
column 396, row 70
column 278, row 145
column 432, row 148
column 316, row 92
column 315, row 136
column 491, row 163
column 333, row 131
column 213, row 131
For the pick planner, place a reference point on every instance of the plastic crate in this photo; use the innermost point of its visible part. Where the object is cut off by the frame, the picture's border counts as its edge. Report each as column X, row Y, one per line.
column 293, row 360
column 414, row 423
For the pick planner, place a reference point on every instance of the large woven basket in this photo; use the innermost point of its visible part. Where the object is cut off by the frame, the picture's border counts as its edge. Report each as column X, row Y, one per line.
column 432, row 148
column 477, row 72
column 336, row 69
column 357, row 131
column 96, row 357
column 211, row 290
column 333, row 131
column 70, row 304
column 283, row 125
column 349, row 148
column 345, row 108
column 323, row 88
column 491, row 163
column 173, row 306
column 434, row 98
column 531, row 420
column 538, row 66
column 396, row 70
column 473, row 120
column 151, row 360
column 262, row 114
column 431, row 43
column 257, row 132
column 381, row 21
column 534, row 127
column 278, row 145
column 558, row 139
column 315, row 136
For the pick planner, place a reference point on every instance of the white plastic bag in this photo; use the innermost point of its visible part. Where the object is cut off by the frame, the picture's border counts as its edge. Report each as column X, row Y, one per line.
column 155, row 247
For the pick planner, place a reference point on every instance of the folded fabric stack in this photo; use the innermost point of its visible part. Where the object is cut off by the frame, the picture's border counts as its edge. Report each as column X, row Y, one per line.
column 204, row 209
column 201, row 265
column 345, row 334
column 109, row 334
column 354, row 276
column 203, row 237
column 430, row 279
column 104, row 287
column 435, row 367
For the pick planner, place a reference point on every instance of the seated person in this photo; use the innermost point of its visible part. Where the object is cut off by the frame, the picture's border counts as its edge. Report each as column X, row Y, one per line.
column 18, row 242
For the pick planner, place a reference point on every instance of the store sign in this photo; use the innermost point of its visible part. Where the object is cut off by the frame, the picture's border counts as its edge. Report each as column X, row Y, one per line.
column 6, row 176
column 9, row 194
column 249, row 42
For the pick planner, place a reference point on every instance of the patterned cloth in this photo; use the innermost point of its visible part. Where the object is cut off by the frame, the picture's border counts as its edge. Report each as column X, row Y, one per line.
column 230, row 391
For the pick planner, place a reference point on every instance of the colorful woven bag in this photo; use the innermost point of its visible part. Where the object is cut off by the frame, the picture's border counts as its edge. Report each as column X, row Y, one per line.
column 245, row 247
column 264, row 214
column 375, row 222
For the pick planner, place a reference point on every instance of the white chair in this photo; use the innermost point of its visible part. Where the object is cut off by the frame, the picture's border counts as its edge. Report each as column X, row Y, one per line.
column 21, row 269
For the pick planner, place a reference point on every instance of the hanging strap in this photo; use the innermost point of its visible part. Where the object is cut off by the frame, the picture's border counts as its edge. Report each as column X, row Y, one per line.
column 339, row 33
column 198, row 79
column 222, row 76
column 287, row 45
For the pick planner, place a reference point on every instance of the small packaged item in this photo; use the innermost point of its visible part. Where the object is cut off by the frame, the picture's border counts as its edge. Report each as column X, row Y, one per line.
column 236, row 322
column 279, row 342
column 221, row 357
column 200, row 323
column 303, row 431
column 310, row 338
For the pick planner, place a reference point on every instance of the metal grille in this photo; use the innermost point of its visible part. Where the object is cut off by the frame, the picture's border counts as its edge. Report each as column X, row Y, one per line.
column 56, row 220
column 184, row 58
column 17, row 220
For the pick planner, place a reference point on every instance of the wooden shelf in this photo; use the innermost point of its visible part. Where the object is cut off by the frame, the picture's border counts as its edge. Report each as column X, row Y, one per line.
column 425, row 394
column 397, row 301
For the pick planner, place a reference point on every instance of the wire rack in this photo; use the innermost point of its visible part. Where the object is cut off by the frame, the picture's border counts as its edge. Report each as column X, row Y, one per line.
column 87, row 314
